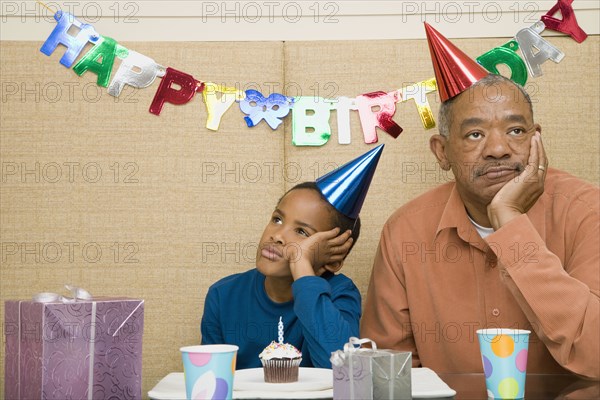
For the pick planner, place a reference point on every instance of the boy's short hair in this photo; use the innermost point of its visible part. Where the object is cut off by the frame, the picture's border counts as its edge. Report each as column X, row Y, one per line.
column 340, row 220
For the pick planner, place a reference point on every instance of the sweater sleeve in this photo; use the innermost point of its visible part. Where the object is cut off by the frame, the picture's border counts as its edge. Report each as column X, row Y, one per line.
column 329, row 315
column 210, row 327
column 560, row 300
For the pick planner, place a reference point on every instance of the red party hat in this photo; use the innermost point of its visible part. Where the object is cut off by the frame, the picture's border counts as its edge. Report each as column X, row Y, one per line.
column 454, row 70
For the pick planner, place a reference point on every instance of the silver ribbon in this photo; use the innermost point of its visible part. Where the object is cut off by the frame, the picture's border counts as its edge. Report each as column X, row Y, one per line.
column 338, row 358
column 92, row 352
column 76, row 294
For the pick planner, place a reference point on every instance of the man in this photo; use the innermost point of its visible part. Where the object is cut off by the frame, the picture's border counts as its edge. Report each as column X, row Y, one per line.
column 510, row 243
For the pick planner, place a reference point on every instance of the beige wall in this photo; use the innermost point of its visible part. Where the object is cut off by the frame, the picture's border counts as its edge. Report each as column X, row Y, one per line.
column 186, row 227
column 268, row 20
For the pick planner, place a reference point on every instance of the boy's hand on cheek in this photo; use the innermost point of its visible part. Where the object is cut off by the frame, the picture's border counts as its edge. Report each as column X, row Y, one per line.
column 316, row 253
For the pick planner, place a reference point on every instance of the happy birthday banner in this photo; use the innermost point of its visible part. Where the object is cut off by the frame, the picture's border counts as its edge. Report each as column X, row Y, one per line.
column 310, row 114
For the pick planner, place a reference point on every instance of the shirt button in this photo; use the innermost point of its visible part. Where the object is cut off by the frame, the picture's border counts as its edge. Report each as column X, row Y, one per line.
column 495, row 312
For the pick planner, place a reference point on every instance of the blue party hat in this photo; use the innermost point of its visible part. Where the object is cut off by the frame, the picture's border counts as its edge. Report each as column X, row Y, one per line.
column 346, row 187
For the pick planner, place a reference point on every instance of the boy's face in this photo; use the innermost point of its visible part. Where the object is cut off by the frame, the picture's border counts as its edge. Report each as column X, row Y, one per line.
column 300, row 214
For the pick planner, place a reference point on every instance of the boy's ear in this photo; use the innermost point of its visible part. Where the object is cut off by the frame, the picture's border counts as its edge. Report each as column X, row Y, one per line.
column 333, row 267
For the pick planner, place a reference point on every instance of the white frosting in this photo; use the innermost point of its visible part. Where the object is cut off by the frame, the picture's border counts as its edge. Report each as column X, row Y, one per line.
column 278, row 350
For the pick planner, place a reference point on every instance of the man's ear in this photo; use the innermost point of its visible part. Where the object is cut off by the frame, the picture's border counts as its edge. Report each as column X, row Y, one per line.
column 437, row 145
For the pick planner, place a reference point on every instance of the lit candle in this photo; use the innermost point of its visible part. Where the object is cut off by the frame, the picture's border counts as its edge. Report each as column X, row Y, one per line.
column 280, row 331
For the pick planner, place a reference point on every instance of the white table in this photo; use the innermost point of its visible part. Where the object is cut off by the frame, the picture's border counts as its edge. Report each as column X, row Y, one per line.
column 425, row 383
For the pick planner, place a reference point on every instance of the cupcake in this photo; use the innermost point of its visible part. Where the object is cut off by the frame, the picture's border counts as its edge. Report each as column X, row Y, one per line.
column 280, row 362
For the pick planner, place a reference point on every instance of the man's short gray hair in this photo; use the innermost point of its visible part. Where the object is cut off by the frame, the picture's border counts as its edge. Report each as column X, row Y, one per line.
column 445, row 114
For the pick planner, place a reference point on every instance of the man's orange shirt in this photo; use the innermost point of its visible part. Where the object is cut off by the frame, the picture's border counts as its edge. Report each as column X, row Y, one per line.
column 435, row 281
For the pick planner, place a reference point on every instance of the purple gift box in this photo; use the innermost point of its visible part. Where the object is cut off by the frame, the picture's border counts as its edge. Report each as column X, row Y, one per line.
column 88, row 349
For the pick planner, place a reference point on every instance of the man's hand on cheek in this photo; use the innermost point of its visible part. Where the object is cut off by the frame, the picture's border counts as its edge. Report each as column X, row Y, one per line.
column 521, row 193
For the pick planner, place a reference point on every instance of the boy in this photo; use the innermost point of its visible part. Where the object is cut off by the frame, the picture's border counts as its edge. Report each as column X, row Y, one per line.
column 311, row 231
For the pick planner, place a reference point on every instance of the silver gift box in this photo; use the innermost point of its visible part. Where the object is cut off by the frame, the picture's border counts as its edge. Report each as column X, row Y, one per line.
column 371, row 374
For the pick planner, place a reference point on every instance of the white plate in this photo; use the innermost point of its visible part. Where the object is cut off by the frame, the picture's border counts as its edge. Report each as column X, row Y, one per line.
column 309, row 379
column 426, row 384
column 172, row 387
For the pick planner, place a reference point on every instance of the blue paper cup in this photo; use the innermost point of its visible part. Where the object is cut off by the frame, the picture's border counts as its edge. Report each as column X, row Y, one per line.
column 504, row 358
column 208, row 371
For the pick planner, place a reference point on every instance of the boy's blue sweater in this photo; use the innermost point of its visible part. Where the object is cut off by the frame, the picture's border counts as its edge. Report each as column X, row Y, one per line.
column 323, row 315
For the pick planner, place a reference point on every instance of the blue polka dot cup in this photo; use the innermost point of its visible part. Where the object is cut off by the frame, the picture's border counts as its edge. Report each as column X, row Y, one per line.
column 504, row 358
column 208, row 371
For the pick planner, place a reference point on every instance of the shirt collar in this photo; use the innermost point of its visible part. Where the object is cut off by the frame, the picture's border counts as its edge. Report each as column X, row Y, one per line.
column 455, row 216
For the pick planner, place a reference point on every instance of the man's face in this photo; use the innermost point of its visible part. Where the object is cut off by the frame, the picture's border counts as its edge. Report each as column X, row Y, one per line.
column 489, row 140
column 300, row 214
